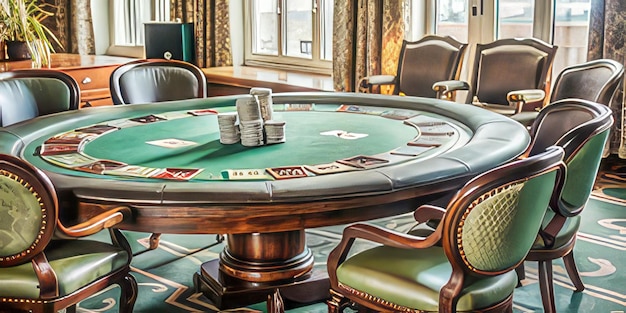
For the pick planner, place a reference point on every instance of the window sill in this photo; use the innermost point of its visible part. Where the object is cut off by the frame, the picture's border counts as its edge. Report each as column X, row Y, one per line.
column 245, row 77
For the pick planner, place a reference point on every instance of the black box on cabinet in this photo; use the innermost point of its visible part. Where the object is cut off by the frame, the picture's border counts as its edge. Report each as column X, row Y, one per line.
column 170, row 41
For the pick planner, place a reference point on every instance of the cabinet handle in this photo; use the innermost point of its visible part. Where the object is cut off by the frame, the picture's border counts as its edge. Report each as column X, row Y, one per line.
column 86, row 80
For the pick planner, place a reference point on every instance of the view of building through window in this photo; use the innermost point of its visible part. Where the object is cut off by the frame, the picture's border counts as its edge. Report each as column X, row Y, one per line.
column 288, row 31
column 515, row 18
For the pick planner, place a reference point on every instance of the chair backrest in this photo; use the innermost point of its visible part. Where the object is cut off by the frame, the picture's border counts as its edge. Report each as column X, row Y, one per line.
column 26, row 94
column 581, row 127
column 509, row 64
column 513, row 196
column 29, row 211
column 426, row 61
column 595, row 81
column 156, row 80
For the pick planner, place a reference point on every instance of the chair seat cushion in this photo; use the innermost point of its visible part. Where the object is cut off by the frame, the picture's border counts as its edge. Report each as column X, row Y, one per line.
column 413, row 277
column 567, row 232
column 76, row 263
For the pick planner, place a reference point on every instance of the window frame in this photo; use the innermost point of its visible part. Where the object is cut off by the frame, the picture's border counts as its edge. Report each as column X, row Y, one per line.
column 133, row 51
column 313, row 65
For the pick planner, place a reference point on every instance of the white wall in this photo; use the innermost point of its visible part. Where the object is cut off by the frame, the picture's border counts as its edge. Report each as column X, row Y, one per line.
column 100, row 16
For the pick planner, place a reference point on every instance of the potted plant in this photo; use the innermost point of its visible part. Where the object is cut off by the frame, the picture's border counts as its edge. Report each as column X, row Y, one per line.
column 22, row 23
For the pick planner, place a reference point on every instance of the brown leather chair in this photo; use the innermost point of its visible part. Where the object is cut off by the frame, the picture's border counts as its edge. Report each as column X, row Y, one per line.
column 156, row 80
column 43, row 268
column 500, row 69
column 464, row 265
column 581, row 128
column 26, row 94
column 421, row 64
column 595, row 81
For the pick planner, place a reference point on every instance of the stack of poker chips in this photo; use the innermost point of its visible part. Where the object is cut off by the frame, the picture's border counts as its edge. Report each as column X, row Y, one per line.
column 274, row 132
column 264, row 97
column 229, row 129
column 250, row 122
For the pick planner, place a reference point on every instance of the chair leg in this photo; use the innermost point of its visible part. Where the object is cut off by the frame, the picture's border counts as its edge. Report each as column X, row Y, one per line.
column 128, row 296
column 337, row 302
column 545, row 285
column 572, row 271
column 521, row 274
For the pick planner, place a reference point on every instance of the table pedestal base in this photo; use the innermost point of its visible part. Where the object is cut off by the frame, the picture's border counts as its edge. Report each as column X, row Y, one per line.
column 228, row 293
column 263, row 267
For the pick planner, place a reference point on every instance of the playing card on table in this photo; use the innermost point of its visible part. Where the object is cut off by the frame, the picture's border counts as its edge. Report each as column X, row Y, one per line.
column 202, row 112
column 148, row 119
column 134, row 171
column 329, row 168
column 399, row 114
column 428, row 141
column 434, row 128
column 54, row 149
column 411, row 151
column 97, row 129
column 171, row 143
column 100, row 166
column 73, row 159
column 343, row 134
column 72, row 138
column 178, row 173
column 363, row 161
column 286, row 172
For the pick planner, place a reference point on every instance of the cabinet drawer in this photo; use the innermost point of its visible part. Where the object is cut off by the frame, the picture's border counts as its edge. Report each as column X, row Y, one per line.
column 95, row 97
column 91, row 77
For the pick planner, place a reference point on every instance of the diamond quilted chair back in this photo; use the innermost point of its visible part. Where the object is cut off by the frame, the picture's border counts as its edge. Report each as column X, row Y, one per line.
column 493, row 221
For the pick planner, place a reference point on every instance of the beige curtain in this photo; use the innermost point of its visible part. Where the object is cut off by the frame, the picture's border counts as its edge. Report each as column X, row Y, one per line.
column 72, row 25
column 211, row 26
column 607, row 39
column 367, row 39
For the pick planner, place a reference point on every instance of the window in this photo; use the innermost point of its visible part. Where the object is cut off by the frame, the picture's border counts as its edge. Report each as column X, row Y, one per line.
column 128, row 16
column 564, row 23
column 289, row 34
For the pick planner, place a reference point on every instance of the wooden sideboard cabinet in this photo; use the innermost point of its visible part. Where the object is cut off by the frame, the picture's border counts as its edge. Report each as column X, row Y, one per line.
column 92, row 73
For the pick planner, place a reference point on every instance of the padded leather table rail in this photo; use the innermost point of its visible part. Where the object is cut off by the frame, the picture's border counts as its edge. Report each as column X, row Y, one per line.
column 461, row 141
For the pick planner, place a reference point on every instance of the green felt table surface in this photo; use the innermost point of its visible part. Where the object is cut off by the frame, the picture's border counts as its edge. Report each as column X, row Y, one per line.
column 481, row 141
column 307, row 141
column 304, row 144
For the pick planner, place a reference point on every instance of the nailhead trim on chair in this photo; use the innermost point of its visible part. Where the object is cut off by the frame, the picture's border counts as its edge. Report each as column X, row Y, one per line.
column 43, row 213
column 381, row 302
column 13, row 300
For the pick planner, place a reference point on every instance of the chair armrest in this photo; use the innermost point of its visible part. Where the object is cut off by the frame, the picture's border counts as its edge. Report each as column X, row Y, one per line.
column 97, row 223
column 446, row 88
column 381, row 80
column 378, row 235
column 518, row 98
column 427, row 212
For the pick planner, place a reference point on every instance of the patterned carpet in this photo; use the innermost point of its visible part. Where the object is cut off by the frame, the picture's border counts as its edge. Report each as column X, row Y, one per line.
column 165, row 275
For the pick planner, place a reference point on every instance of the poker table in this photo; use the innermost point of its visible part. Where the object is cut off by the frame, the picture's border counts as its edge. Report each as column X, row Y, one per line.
column 346, row 157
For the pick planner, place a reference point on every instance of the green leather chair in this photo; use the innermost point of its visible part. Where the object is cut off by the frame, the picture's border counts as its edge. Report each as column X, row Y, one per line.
column 156, row 80
column 466, row 264
column 421, row 64
column 26, row 94
column 503, row 69
column 43, row 267
column 581, row 128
